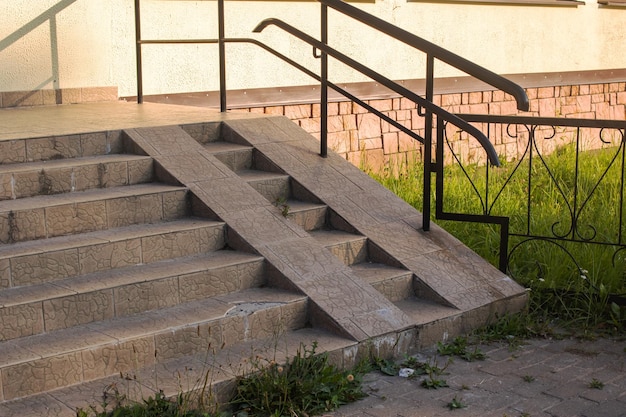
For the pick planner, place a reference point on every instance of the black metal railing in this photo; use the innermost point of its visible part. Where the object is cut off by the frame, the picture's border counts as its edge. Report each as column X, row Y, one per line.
column 478, row 131
column 563, row 192
column 322, row 50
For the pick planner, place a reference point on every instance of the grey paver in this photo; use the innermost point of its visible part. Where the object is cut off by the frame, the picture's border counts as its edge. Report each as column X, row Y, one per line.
column 503, row 391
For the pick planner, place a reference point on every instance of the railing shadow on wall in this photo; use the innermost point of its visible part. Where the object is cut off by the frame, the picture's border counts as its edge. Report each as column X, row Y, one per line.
column 48, row 16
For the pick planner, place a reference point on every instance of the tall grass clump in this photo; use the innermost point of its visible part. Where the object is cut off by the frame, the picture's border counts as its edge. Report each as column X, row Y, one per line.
column 579, row 285
column 307, row 385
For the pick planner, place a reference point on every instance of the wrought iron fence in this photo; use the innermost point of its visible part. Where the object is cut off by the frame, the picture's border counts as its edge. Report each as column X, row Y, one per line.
column 571, row 175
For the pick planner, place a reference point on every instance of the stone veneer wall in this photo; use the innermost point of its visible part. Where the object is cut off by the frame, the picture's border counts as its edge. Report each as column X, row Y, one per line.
column 367, row 141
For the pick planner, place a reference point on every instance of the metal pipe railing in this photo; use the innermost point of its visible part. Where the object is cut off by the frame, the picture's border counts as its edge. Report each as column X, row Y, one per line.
column 220, row 41
column 425, row 105
column 386, row 82
column 433, row 50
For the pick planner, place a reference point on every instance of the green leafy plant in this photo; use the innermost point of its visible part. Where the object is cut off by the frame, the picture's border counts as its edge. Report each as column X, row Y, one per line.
column 596, row 384
column 455, row 404
column 387, row 367
column 528, row 378
column 306, row 385
column 284, row 207
column 434, row 383
column 459, row 347
column 433, row 374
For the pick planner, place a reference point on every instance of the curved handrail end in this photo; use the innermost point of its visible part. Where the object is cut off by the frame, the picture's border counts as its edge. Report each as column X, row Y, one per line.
column 523, row 104
column 262, row 25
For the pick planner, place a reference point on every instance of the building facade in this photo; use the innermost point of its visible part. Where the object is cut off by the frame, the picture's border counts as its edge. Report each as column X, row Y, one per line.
column 569, row 55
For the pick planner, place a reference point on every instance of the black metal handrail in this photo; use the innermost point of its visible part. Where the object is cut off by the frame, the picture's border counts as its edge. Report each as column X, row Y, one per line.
column 425, row 105
column 393, row 86
column 433, row 50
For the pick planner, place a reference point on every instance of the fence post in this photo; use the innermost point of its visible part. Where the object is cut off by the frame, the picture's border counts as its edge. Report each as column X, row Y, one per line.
column 428, row 143
column 138, row 51
column 324, row 85
column 222, row 54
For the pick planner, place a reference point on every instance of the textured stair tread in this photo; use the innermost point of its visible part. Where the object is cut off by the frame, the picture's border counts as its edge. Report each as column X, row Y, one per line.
column 226, row 363
column 251, row 175
column 223, row 146
column 222, row 365
column 308, row 215
column 425, row 311
column 373, row 272
column 335, row 237
column 124, row 276
column 130, row 328
column 296, row 206
column 99, row 194
column 69, row 162
column 103, row 236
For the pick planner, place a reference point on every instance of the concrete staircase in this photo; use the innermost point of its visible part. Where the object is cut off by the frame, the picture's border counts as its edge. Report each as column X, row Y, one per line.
column 175, row 253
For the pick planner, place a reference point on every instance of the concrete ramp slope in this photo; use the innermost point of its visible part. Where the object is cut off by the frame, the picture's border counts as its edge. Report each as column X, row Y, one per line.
column 333, row 233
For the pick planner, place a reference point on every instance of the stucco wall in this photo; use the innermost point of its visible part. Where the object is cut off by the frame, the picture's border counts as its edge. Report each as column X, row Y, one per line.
column 51, row 44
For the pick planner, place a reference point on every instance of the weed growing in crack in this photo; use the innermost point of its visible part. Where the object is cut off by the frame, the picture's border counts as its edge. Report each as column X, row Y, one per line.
column 459, row 347
column 596, row 384
column 455, row 404
column 281, row 203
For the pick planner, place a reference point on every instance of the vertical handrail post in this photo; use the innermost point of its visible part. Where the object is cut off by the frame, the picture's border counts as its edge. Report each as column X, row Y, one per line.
column 428, row 142
column 138, row 51
column 324, row 85
column 222, row 54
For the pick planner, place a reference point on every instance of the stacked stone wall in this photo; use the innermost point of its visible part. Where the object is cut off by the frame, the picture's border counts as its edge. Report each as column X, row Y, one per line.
column 367, row 141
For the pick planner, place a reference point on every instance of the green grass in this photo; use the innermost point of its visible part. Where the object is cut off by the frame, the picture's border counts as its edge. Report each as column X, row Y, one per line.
column 569, row 282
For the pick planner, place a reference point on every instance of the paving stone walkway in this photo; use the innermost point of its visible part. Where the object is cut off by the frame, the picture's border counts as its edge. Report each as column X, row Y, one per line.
column 541, row 378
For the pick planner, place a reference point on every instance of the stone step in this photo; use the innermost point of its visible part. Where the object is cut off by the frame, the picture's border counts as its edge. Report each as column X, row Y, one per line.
column 26, row 311
column 211, row 373
column 71, row 213
column 271, row 185
column 40, row 363
column 76, row 174
column 309, row 216
column 436, row 322
column 348, row 247
column 234, row 156
column 61, row 147
column 48, row 260
column 395, row 284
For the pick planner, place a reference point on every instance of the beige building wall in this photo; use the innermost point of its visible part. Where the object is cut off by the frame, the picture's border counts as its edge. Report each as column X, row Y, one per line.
column 80, row 44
